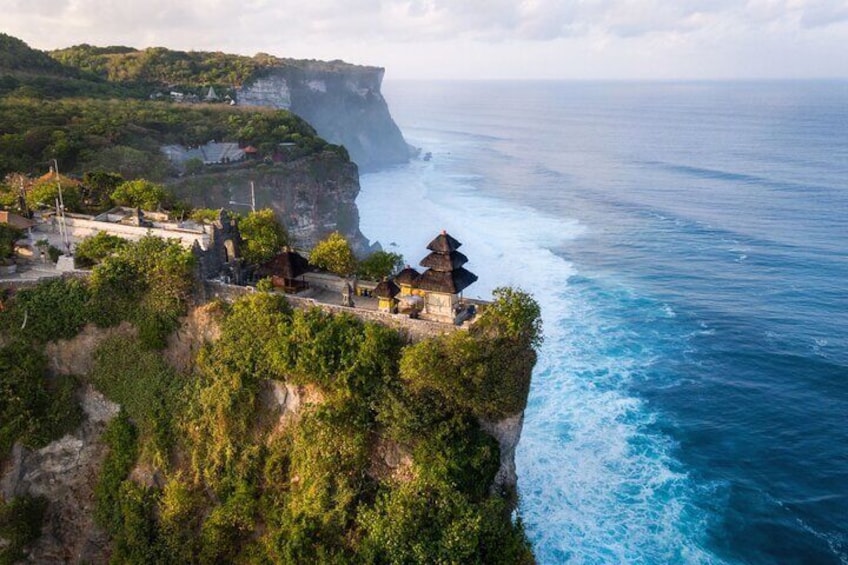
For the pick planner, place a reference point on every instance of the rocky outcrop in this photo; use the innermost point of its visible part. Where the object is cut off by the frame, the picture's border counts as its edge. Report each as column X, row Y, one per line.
column 390, row 461
column 65, row 472
column 313, row 195
column 507, row 432
column 342, row 102
column 76, row 356
column 202, row 325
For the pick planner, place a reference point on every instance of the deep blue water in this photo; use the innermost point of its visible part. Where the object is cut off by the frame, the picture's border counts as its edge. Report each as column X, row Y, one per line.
column 688, row 243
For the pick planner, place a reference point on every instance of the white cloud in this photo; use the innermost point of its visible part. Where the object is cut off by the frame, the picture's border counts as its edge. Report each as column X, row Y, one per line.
column 455, row 35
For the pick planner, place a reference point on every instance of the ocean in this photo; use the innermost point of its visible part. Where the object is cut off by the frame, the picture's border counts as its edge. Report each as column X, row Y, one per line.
column 688, row 244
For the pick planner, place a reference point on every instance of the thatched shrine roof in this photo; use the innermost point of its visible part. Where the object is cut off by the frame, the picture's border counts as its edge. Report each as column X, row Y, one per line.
column 452, row 282
column 16, row 221
column 444, row 261
column 407, row 276
column 444, row 243
column 288, row 264
column 386, row 289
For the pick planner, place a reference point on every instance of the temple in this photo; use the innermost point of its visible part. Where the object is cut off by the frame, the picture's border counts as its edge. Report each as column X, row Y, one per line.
column 441, row 285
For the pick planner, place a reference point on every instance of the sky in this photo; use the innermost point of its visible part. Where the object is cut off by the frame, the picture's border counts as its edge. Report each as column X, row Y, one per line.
column 473, row 39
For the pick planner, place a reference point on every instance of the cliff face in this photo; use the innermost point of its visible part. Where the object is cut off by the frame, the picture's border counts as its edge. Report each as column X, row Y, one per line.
column 313, row 196
column 342, row 102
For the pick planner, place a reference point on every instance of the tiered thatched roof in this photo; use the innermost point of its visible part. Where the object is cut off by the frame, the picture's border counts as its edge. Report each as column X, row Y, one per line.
column 452, row 282
column 444, row 243
column 444, row 262
column 445, row 272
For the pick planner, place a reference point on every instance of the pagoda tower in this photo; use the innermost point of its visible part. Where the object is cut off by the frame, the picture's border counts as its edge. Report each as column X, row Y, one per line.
column 445, row 277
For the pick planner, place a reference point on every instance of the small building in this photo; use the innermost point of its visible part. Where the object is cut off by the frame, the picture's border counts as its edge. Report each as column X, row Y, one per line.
column 445, row 277
column 406, row 280
column 16, row 221
column 385, row 292
column 284, row 270
column 212, row 153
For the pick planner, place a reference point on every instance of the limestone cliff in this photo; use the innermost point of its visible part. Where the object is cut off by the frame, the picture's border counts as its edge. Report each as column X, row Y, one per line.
column 313, row 195
column 342, row 102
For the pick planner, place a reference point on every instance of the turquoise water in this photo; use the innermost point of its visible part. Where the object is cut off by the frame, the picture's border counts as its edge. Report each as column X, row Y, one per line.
column 688, row 243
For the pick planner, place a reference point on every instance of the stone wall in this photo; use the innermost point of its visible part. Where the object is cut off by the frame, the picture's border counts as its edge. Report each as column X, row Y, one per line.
column 412, row 329
column 79, row 229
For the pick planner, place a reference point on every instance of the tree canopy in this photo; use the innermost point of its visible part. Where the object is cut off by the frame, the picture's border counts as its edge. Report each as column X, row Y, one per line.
column 8, row 236
column 263, row 236
column 140, row 193
column 379, row 264
column 334, row 254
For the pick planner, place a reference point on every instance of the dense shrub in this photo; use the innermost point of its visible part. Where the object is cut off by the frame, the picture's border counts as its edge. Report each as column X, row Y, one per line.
column 145, row 386
column 223, row 397
column 241, row 485
column 53, row 309
column 148, row 282
column 140, row 193
column 339, row 353
column 423, row 521
column 486, row 370
column 94, row 249
column 135, row 536
column 20, row 525
column 125, row 136
column 326, row 477
column 122, row 440
column 228, row 527
column 180, row 514
column 8, row 236
column 34, row 409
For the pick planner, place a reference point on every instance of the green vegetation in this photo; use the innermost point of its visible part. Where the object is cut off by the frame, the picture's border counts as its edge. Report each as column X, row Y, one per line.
column 34, row 408
column 148, row 282
column 147, row 389
column 379, row 264
column 44, row 193
column 486, row 370
column 8, row 236
column 54, row 309
column 97, row 189
column 126, row 136
column 140, row 193
column 160, row 66
column 15, row 55
column 94, row 249
column 263, row 236
column 20, row 525
column 204, row 215
column 334, row 254
column 121, row 439
column 242, row 485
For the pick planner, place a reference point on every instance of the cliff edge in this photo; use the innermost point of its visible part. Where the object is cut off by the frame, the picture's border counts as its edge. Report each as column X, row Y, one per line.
column 342, row 102
column 271, row 431
column 312, row 196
